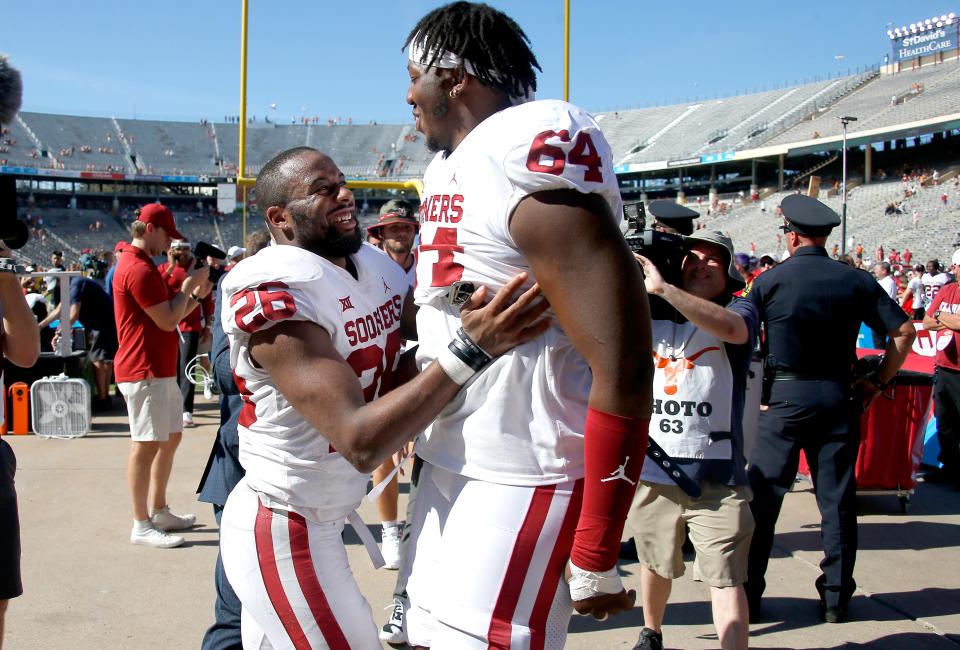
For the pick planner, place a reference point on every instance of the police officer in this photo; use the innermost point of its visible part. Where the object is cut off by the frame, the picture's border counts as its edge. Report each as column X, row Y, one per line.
column 671, row 217
column 811, row 308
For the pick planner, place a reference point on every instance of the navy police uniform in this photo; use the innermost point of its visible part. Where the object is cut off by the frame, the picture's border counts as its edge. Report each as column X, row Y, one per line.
column 811, row 307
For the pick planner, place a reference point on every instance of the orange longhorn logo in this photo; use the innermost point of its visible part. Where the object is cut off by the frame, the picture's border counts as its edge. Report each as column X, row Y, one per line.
column 674, row 367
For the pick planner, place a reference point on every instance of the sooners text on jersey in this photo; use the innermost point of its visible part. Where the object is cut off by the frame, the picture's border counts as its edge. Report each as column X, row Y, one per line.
column 285, row 457
column 520, row 421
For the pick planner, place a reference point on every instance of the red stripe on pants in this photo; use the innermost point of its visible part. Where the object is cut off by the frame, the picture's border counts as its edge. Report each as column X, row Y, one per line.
column 554, row 572
column 501, row 626
column 310, row 584
column 263, row 536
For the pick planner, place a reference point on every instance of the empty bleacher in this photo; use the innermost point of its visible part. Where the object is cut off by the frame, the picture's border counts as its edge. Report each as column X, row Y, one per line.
column 92, row 142
column 885, row 101
column 170, row 147
column 867, row 223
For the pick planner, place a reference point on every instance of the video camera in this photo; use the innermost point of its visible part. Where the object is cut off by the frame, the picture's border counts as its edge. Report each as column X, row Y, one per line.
column 664, row 249
column 13, row 232
column 203, row 250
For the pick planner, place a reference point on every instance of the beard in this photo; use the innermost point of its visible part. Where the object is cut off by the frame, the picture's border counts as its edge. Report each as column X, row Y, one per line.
column 331, row 244
column 395, row 247
column 440, row 110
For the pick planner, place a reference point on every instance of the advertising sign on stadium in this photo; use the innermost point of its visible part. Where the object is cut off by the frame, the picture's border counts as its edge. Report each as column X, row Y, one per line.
column 717, row 157
column 919, row 44
column 684, row 162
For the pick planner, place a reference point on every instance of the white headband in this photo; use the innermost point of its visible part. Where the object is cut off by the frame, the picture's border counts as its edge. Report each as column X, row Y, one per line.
column 447, row 60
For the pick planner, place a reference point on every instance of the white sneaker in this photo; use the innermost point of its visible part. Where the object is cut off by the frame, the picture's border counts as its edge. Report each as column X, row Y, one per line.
column 208, row 389
column 390, row 547
column 392, row 631
column 188, row 420
column 155, row 538
column 164, row 520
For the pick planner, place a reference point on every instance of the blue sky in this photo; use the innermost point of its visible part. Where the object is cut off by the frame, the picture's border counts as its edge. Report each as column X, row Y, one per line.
column 180, row 60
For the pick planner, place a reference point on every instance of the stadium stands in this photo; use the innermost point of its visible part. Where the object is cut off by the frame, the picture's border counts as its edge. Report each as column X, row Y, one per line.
column 782, row 116
column 170, row 147
column 867, row 223
column 77, row 143
column 728, row 124
column 886, row 101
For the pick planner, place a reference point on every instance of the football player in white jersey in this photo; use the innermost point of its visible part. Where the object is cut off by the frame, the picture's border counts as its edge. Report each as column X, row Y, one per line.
column 528, row 474
column 314, row 324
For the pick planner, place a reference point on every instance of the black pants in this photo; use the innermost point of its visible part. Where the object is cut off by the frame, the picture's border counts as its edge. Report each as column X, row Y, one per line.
column 189, row 342
column 400, row 587
column 10, row 583
column 224, row 634
column 820, row 418
column 946, row 406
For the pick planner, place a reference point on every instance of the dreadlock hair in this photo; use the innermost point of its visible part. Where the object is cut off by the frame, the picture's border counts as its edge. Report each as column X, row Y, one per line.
column 272, row 183
column 492, row 41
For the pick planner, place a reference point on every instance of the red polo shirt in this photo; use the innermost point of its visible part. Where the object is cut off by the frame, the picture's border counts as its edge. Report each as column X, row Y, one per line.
column 145, row 350
column 947, row 300
column 199, row 317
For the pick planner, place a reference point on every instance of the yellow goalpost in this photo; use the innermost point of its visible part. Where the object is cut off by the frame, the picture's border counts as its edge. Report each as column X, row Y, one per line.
column 416, row 185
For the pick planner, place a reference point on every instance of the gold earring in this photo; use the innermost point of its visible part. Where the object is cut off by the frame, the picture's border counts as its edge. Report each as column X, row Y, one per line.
column 454, row 93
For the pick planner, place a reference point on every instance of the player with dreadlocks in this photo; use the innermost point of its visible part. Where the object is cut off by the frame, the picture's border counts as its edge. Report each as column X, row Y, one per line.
column 528, row 474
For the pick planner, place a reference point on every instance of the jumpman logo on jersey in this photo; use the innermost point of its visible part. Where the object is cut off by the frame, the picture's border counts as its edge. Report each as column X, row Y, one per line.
column 386, row 287
column 620, row 473
column 453, row 180
column 345, row 304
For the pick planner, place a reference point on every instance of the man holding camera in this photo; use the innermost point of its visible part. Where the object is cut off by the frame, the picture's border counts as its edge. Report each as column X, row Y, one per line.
column 701, row 358
column 147, row 316
column 195, row 327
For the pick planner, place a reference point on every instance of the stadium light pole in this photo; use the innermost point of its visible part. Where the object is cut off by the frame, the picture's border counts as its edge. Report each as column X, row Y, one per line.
column 846, row 119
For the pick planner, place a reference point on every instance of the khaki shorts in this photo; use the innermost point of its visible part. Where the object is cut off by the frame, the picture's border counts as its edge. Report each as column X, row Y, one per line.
column 720, row 527
column 155, row 408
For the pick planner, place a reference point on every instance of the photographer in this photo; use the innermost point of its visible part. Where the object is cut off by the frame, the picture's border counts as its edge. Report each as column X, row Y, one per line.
column 21, row 346
column 701, row 357
column 195, row 326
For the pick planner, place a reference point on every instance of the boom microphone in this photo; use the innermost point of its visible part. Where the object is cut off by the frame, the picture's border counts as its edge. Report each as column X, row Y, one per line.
column 11, row 90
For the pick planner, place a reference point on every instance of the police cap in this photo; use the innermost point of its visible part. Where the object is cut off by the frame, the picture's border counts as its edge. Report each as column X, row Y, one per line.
column 673, row 215
column 807, row 216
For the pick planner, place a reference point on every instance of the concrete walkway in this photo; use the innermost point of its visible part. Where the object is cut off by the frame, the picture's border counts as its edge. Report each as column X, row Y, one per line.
column 86, row 586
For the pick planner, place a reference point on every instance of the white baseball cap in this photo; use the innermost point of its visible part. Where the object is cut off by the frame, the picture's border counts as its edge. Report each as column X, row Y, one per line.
column 235, row 251
column 956, row 257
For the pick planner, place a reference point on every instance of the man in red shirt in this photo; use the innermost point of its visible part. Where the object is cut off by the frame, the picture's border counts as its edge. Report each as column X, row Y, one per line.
column 195, row 326
column 146, row 369
column 943, row 315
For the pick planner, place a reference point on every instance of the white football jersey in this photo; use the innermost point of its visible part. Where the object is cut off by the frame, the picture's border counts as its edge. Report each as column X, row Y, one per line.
column 286, row 458
column 932, row 285
column 520, row 421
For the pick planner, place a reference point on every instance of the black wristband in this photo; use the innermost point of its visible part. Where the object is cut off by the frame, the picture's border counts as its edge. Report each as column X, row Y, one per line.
column 469, row 352
column 875, row 380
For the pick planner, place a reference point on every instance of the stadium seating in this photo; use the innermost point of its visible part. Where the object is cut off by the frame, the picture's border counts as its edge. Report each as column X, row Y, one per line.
column 873, row 106
column 718, row 125
column 655, row 134
column 78, row 143
column 866, row 221
column 170, row 147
